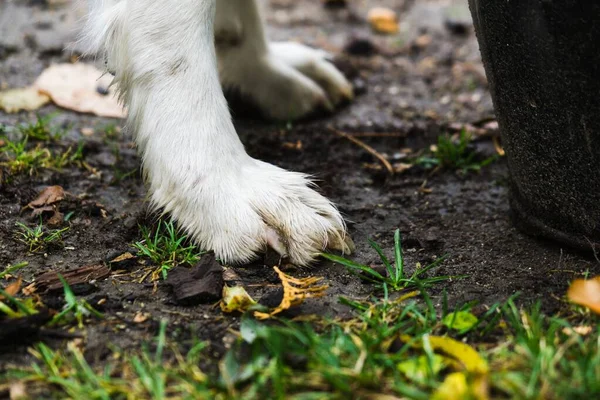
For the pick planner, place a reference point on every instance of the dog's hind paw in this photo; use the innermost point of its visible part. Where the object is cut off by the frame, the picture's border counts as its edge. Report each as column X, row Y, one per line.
column 291, row 81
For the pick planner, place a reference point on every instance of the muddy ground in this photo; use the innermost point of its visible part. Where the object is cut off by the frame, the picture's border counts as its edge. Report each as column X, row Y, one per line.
column 411, row 87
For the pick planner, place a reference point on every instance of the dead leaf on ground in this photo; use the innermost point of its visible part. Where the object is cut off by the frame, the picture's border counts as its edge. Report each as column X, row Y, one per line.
column 236, row 299
column 22, row 99
column 467, row 362
column 13, row 289
column 383, row 20
column 401, row 167
column 581, row 330
column 123, row 257
column 586, row 293
column 141, row 317
column 18, row 391
column 498, row 147
column 75, row 87
column 46, row 201
column 48, row 196
column 454, row 387
column 295, row 291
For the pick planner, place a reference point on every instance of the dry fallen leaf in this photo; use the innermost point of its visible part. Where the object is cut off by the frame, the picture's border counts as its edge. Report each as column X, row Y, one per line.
column 123, row 257
column 17, row 391
column 46, row 202
column 13, row 289
column 586, row 293
column 48, row 196
column 383, row 20
column 498, row 147
column 75, row 87
column 454, row 387
column 464, row 358
column 236, row 299
column 25, row 99
column 29, row 290
column 401, row 167
column 295, row 291
column 582, row 330
column 141, row 317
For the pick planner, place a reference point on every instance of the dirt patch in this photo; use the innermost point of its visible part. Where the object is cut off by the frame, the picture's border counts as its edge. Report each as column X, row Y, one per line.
column 424, row 81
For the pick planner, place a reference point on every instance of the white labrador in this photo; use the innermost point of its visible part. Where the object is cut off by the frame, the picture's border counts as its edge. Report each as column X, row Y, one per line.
column 167, row 69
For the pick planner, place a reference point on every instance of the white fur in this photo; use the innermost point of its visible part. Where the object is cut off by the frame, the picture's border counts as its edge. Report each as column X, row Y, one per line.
column 286, row 80
column 165, row 66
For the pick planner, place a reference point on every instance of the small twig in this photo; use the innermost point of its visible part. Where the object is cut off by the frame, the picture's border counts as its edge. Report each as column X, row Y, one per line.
column 377, row 134
column 366, row 147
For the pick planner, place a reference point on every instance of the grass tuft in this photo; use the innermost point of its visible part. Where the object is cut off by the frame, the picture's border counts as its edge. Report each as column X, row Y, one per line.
column 19, row 157
column 39, row 238
column 456, row 155
column 74, row 308
column 395, row 277
column 41, row 129
column 167, row 248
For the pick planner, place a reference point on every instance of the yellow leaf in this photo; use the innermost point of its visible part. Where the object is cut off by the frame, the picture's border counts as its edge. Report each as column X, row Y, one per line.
column 383, row 20
column 465, row 357
column 295, row 291
column 236, row 299
column 417, row 369
column 586, row 293
column 454, row 387
column 468, row 356
column 26, row 99
column 75, row 87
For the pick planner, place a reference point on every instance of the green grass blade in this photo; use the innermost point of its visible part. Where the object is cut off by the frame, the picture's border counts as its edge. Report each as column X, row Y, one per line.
column 355, row 266
column 398, row 258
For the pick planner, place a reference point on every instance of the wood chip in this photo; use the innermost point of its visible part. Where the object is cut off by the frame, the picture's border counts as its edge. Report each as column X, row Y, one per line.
column 201, row 284
column 49, row 281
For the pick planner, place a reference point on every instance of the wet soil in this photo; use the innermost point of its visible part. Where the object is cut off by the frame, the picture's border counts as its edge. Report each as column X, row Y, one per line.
column 413, row 86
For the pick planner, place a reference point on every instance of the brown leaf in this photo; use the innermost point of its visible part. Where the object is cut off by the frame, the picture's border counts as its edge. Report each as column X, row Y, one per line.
column 14, row 288
column 48, row 196
column 123, row 257
column 75, row 87
column 141, row 317
column 56, row 218
column 586, row 293
column 39, row 211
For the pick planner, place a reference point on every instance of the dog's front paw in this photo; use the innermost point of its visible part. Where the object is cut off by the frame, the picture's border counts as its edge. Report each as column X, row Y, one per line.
column 260, row 205
column 289, row 82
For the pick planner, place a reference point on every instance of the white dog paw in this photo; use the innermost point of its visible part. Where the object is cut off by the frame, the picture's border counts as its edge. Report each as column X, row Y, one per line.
column 316, row 65
column 289, row 82
column 260, row 205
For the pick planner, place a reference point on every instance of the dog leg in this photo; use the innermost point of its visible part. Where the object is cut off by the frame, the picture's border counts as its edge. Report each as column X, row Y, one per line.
column 286, row 80
column 195, row 165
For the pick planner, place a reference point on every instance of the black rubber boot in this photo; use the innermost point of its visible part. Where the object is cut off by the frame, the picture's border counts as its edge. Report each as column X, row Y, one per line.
column 542, row 59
